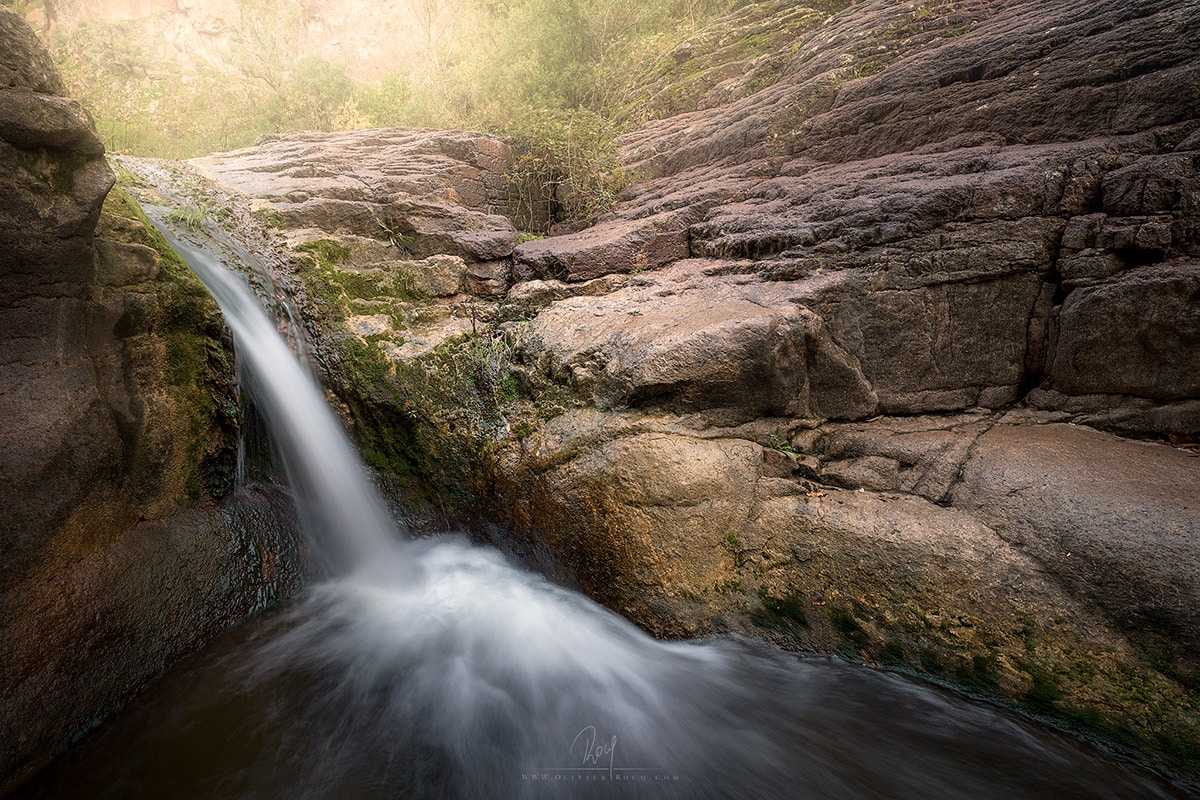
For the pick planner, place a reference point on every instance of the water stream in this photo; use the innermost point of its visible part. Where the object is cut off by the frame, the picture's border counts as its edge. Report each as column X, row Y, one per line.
column 435, row 668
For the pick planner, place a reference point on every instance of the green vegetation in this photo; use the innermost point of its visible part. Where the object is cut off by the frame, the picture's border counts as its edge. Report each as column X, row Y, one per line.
column 562, row 78
column 195, row 370
column 781, row 612
column 491, row 65
column 568, row 166
column 190, row 217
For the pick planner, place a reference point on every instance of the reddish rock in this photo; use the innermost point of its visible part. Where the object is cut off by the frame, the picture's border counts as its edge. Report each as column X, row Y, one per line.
column 615, row 246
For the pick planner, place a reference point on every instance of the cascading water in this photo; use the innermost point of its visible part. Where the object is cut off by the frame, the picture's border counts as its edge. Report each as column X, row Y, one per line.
column 435, row 668
column 342, row 513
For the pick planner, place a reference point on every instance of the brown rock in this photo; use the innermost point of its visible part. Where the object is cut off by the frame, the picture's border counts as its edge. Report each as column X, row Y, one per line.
column 1117, row 522
column 1137, row 335
column 619, row 246
column 117, row 395
column 428, row 192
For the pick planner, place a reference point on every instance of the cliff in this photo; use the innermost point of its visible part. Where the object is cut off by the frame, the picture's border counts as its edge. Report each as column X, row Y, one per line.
column 119, row 408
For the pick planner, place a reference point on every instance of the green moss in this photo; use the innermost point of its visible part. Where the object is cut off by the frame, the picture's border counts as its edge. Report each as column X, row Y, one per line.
column 844, row 622
column 783, row 611
column 893, row 654
column 1044, row 691
column 329, row 252
column 368, row 367
column 434, row 423
column 196, row 368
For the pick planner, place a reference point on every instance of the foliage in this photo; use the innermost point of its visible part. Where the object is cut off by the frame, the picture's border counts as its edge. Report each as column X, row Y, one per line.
column 478, row 64
column 190, row 217
column 562, row 77
column 329, row 252
column 567, row 168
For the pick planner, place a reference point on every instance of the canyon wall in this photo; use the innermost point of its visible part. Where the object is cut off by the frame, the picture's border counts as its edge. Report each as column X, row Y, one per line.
column 120, row 414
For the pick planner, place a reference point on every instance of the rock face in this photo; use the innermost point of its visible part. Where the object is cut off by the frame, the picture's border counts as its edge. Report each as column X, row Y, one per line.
column 847, row 368
column 118, row 399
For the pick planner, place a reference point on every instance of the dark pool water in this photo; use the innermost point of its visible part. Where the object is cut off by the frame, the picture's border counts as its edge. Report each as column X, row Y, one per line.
column 486, row 681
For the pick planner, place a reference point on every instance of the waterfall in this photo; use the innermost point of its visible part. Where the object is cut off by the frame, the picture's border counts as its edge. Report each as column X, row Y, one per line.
column 339, row 508
column 435, row 668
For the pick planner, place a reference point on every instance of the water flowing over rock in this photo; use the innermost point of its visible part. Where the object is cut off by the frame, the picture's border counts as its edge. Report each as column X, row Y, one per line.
column 119, row 405
column 848, row 365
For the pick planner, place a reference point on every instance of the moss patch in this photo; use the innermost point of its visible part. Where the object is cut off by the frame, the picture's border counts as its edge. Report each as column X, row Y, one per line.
column 182, row 441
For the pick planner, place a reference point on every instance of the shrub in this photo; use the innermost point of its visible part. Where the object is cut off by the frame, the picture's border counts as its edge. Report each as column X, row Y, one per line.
column 567, row 168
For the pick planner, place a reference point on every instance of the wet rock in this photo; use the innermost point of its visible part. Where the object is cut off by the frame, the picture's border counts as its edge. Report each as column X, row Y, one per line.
column 120, row 401
column 97, row 620
column 692, row 531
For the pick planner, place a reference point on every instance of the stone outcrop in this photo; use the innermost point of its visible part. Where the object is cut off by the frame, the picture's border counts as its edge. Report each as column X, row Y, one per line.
column 848, row 366
column 117, row 392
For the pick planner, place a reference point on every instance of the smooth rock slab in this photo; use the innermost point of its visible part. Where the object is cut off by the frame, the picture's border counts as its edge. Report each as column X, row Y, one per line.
column 1117, row 521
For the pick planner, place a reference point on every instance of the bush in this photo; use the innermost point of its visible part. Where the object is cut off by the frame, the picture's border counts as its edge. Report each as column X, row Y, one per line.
column 484, row 64
column 567, row 168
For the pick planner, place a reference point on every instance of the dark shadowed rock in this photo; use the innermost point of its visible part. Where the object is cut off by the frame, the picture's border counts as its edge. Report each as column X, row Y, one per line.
column 1137, row 335
column 118, row 399
column 52, row 195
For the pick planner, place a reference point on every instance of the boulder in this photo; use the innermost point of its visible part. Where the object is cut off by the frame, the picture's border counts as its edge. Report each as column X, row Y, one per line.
column 619, row 246
column 1116, row 522
column 1136, row 335
column 424, row 192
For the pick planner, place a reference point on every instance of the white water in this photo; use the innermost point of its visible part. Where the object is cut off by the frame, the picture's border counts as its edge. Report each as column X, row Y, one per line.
column 437, row 669
column 339, row 508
